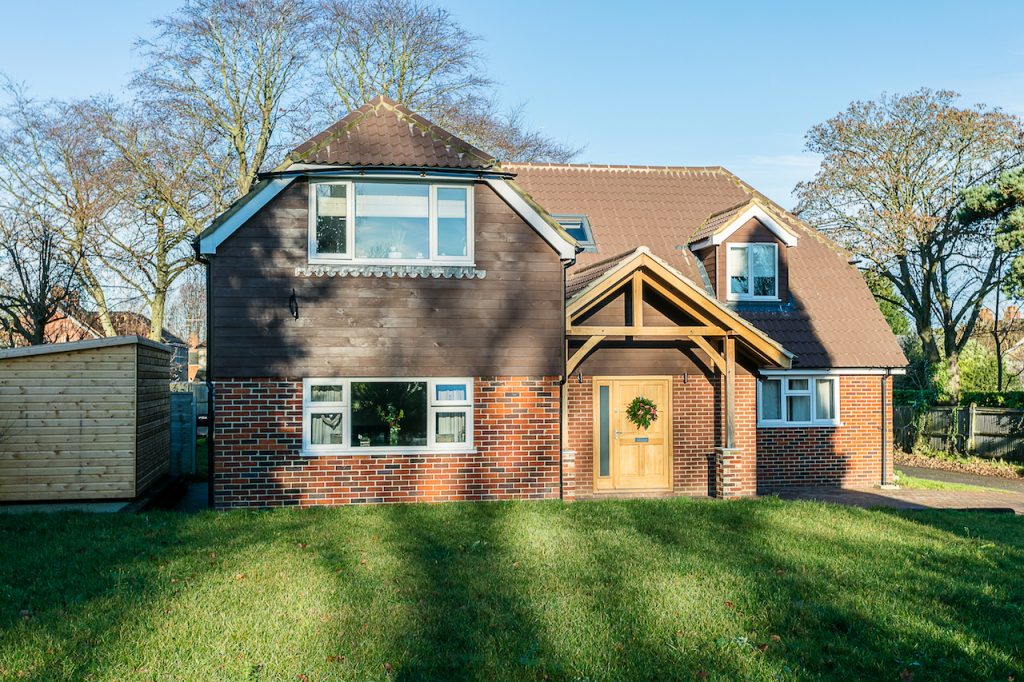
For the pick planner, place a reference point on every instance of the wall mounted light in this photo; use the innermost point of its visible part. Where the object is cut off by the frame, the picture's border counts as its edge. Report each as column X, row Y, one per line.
column 293, row 305
column 579, row 377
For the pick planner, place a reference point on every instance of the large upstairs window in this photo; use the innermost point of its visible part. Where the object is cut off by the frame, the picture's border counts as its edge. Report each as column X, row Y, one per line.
column 392, row 222
column 753, row 271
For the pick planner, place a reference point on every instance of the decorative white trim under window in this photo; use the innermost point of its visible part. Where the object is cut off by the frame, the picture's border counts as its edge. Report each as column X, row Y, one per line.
column 390, row 222
column 752, row 271
column 798, row 399
column 389, row 415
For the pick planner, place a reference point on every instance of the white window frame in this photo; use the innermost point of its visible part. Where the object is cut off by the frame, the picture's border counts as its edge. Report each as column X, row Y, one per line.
column 309, row 408
column 749, row 296
column 812, row 379
column 345, row 407
column 350, row 227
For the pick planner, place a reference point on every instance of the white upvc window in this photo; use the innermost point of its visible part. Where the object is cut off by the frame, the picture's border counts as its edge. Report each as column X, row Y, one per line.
column 399, row 223
column 393, row 415
column 798, row 400
column 753, row 272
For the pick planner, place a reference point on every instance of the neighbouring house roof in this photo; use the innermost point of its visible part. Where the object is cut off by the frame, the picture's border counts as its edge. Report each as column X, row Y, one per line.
column 382, row 132
column 88, row 344
column 125, row 322
column 829, row 318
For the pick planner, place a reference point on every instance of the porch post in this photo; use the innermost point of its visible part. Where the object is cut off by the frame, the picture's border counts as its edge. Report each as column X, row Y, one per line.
column 730, row 392
column 735, row 463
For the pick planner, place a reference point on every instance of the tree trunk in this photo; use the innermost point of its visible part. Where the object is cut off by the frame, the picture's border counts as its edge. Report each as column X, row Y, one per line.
column 156, row 315
column 953, row 366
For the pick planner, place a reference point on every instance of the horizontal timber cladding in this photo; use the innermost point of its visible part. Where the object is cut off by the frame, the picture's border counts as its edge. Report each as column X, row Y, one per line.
column 258, row 460
column 153, row 440
column 698, row 427
column 848, row 455
column 83, row 423
column 508, row 323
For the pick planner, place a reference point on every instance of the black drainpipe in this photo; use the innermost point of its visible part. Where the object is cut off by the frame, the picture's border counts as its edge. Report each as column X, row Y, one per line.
column 561, row 392
column 885, row 424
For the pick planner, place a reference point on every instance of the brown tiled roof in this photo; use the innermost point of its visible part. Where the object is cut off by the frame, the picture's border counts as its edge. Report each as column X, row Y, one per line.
column 579, row 278
column 829, row 318
column 716, row 221
column 385, row 133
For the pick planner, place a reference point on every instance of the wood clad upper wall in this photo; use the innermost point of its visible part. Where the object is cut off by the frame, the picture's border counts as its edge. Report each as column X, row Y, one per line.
column 68, row 425
column 509, row 323
column 153, row 423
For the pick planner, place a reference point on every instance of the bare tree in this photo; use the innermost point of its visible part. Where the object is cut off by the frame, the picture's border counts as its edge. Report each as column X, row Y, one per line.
column 170, row 187
column 420, row 56
column 186, row 314
column 38, row 278
column 230, row 68
column 890, row 188
column 52, row 170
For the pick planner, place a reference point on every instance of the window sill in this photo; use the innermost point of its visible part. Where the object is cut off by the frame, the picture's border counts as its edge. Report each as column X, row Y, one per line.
column 384, row 269
column 799, row 425
column 388, row 452
column 754, row 299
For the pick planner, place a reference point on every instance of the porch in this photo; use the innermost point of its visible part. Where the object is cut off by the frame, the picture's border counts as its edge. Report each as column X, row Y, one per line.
column 638, row 328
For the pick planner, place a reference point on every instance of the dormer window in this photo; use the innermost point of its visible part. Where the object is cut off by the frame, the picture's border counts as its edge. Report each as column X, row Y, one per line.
column 399, row 223
column 753, row 271
column 578, row 227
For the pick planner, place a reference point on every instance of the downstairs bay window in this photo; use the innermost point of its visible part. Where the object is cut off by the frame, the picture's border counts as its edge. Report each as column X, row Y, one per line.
column 392, row 415
column 804, row 400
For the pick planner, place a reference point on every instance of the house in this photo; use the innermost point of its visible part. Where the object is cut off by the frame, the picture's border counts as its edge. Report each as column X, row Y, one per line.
column 396, row 316
column 74, row 323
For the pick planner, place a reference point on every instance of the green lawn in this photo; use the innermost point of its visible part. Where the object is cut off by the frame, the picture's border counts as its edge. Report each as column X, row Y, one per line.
column 912, row 482
column 642, row 589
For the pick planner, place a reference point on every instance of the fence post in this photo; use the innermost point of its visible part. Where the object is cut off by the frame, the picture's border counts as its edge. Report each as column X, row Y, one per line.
column 970, row 428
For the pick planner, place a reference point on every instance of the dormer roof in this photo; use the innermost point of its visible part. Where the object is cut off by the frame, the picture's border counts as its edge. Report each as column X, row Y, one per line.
column 385, row 133
column 719, row 226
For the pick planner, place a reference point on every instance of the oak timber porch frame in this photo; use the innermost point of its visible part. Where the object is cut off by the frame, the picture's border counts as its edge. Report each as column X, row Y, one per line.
column 716, row 332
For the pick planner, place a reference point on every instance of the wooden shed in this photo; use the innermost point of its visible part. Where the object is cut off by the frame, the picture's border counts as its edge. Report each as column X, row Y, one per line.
column 84, row 420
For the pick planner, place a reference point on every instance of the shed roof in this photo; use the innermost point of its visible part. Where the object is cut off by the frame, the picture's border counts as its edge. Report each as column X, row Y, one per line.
column 88, row 344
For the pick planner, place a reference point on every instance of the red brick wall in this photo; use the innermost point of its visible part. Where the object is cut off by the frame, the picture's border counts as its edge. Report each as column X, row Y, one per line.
column 697, row 428
column 258, row 437
column 847, row 455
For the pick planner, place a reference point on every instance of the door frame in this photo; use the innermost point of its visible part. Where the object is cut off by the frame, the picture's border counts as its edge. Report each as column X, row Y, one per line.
column 607, row 484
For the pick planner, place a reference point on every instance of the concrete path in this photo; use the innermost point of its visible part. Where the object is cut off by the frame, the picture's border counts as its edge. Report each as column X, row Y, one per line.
column 913, row 499
column 195, row 500
column 1012, row 484
column 58, row 507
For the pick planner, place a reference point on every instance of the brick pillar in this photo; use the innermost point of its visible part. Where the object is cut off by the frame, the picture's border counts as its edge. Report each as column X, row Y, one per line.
column 568, row 475
column 736, row 467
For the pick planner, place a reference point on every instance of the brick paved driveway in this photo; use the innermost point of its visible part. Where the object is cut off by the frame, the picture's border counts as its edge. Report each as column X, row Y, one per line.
column 913, row 499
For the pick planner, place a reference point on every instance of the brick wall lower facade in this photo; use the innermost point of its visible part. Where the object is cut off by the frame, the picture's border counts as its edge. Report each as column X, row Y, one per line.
column 258, row 460
column 698, row 427
column 847, row 455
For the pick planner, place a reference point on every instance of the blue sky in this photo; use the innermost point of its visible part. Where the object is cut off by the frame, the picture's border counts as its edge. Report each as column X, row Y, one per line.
column 734, row 84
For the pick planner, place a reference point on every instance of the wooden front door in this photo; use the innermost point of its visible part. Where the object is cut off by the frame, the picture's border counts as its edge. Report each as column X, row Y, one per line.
column 628, row 457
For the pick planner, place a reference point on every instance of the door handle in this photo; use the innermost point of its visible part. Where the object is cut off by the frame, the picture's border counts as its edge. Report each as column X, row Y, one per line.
column 617, row 433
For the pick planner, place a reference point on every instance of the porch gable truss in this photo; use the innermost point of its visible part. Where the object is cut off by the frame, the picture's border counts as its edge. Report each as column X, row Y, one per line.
column 715, row 330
